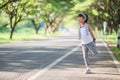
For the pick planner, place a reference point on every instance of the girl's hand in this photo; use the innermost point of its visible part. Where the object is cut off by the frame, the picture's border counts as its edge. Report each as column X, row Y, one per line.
column 94, row 40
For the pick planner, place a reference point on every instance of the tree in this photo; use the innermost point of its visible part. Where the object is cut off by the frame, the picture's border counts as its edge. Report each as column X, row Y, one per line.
column 54, row 12
column 33, row 13
column 4, row 3
column 103, row 10
column 99, row 11
column 14, row 10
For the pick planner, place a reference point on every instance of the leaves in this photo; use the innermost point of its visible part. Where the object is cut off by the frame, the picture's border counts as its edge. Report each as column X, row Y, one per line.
column 52, row 12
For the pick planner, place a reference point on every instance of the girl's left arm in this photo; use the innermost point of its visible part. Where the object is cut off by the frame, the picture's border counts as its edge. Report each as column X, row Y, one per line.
column 91, row 32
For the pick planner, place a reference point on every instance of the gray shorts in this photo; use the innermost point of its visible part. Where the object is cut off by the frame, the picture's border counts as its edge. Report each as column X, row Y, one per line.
column 91, row 47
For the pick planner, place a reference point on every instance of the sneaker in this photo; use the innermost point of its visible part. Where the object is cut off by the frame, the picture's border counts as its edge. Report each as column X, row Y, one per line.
column 87, row 71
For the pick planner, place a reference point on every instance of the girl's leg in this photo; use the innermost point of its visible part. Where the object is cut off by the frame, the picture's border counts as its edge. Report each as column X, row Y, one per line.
column 85, row 56
column 92, row 47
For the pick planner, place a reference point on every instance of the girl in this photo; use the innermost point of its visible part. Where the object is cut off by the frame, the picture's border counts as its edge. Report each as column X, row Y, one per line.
column 87, row 39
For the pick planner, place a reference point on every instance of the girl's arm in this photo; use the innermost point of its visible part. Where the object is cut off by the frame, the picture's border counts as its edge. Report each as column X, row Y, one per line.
column 91, row 32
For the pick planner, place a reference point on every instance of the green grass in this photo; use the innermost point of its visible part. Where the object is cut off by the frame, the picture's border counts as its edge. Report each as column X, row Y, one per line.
column 116, row 52
column 20, row 36
column 110, row 38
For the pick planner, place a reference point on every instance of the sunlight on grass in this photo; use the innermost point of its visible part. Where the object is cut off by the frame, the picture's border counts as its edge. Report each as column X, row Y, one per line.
column 4, row 37
column 111, row 38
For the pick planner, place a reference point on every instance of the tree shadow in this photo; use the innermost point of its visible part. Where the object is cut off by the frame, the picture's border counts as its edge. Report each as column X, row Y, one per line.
column 25, row 59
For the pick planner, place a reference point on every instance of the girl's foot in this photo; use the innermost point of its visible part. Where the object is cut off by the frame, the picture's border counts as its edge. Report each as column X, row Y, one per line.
column 87, row 71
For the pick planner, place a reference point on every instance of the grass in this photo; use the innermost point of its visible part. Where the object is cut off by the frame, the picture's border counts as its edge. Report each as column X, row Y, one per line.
column 116, row 52
column 110, row 38
column 21, row 36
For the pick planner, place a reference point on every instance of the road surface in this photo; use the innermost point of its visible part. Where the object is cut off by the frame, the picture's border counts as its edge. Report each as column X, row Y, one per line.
column 58, row 58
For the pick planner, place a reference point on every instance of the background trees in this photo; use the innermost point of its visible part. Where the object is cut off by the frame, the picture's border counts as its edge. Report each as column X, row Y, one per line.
column 53, row 13
column 106, row 10
column 14, row 10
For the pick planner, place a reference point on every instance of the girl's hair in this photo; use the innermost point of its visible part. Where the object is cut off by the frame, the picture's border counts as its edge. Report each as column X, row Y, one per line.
column 84, row 15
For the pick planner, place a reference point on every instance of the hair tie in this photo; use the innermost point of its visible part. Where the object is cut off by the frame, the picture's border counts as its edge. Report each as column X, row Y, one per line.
column 83, row 15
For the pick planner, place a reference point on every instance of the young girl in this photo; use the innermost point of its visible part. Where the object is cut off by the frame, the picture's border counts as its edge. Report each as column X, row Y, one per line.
column 87, row 39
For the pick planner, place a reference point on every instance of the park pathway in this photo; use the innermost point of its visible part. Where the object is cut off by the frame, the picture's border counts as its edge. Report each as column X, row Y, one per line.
column 58, row 58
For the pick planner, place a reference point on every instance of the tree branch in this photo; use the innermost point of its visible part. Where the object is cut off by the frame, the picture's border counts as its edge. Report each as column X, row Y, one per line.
column 6, row 4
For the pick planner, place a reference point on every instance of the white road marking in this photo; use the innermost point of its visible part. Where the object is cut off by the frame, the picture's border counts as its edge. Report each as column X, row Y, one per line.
column 53, row 64
column 113, row 57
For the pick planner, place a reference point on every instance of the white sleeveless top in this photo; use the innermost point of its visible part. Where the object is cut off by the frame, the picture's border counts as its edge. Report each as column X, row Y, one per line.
column 85, row 39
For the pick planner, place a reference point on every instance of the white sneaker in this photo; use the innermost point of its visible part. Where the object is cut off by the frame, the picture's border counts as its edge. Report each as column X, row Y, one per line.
column 87, row 71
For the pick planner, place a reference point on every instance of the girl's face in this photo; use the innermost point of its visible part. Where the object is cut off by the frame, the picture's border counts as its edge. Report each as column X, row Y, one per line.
column 81, row 19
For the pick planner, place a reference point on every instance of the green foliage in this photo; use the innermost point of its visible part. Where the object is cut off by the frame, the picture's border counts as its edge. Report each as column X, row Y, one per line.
column 55, row 13
column 95, row 12
column 81, row 5
column 103, row 10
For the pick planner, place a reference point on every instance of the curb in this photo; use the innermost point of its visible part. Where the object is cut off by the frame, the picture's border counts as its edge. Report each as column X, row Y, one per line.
column 116, row 62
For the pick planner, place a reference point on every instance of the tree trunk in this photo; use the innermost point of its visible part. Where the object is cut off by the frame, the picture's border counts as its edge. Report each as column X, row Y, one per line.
column 111, row 31
column 11, row 33
column 35, row 26
column 37, row 30
column 11, row 26
column 116, row 30
column 46, row 28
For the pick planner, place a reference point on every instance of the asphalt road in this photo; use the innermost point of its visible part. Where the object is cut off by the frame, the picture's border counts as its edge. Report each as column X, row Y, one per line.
column 58, row 58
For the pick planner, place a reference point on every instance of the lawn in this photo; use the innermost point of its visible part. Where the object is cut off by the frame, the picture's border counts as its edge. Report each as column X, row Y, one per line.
column 116, row 52
column 110, row 38
column 25, row 35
